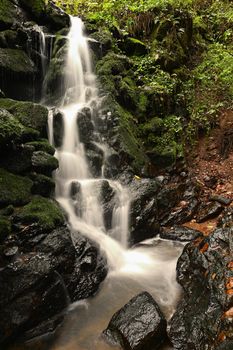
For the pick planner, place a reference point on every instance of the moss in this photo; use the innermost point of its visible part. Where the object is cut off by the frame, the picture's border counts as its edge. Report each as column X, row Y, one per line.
column 37, row 7
column 5, row 228
column 42, row 145
column 30, row 114
column 11, row 130
column 45, row 212
column 43, row 185
column 15, row 190
column 129, row 140
column 16, row 61
column 135, row 47
column 7, row 13
column 43, row 162
column 8, row 38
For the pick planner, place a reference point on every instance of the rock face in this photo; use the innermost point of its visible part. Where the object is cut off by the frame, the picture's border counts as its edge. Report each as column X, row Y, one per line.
column 203, row 319
column 139, row 325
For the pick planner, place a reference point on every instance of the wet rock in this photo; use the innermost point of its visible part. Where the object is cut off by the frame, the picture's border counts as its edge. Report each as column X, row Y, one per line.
column 182, row 214
column 138, row 325
column 108, row 202
column 101, row 42
column 95, row 160
column 180, row 233
column 205, row 272
column 144, row 210
column 58, row 127
column 75, row 190
column 18, row 160
column 86, row 127
column 209, row 211
column 5, row 228
column 221, row 199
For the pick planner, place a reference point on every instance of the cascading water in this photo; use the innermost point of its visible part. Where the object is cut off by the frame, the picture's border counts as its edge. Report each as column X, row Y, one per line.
column 149, row 267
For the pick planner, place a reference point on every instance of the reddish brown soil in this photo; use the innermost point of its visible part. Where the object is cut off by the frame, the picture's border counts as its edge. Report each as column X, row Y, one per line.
column 211, row 164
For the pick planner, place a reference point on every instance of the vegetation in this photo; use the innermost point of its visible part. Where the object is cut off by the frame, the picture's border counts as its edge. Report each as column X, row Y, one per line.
column 169, row 65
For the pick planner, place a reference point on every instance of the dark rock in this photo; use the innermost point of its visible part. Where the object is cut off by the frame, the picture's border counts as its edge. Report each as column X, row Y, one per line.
column 209, row 211
column 58, row 127
column 18, row 160
column 205, row 272
column 100, row 42
column 95, row 160
column 85, row 127
column 179, row 233
column 17, row 72
column 5, row 228
column 138, row 325
column 221, row 199
column 144, row 210
column 182, row 214
column 135, row 47
column 11, row 251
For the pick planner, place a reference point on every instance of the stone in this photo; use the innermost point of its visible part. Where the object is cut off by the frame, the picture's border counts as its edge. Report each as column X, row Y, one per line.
column 143, row 210
column 42, row 185
column 204, row 270
column 139, row 325
column 16, row 72
column 209, row 211
column 221, row 199
column 43, row 162
column 43, row 211
column 29, row 114
column 179, row 233
column 14, row 189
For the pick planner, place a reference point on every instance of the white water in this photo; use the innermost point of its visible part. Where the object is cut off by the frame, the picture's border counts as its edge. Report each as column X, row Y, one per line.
column 149, row 267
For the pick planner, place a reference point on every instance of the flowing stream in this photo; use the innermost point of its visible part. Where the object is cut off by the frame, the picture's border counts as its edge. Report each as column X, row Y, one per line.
column 150, row 266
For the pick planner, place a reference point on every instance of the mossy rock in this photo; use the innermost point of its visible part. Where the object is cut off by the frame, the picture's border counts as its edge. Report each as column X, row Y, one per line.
column 14, row 189
column 130, row 143
column 43, row 211
column 43, row 162
column 11, row 130
column 102, row 42
column 42, row 145
column 36, row 7
column 5, row 228
column 135, row 47
column 17, row 62
column 8, row 38
column 18, row 160
column 30, row 114
column 8, row 12
column 45, row 11
column 42, row 185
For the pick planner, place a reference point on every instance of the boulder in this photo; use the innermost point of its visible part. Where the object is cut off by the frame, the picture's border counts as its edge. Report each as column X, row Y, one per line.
column 17, row 73
column 139, row 325
column 42, row 185
column 209, row 211
column 179, row 233
column 144, row 210
column 85, row 127
column 14, row 189
column 203, row 319
column 29, row 114
column 43, row 162
column 45, row 212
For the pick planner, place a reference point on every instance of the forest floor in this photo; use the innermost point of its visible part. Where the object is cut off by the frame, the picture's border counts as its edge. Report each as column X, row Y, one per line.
column 211, row 164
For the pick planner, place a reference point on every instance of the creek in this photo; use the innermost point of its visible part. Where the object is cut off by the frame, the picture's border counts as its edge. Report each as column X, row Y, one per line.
column 151, row 265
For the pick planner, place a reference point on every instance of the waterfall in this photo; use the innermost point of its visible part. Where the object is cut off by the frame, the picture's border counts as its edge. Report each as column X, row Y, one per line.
column 150, row 267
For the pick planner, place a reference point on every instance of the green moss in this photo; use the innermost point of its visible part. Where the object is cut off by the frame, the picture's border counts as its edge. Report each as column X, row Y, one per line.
column 129, row 139
column 45, row 212
column 43, row 162
column 42, row 145
column 15, row 190
column 7, row 13
column 5, row 228
column 30, row 114
column 42, row 185
column 16, row 61
column 11, row 130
